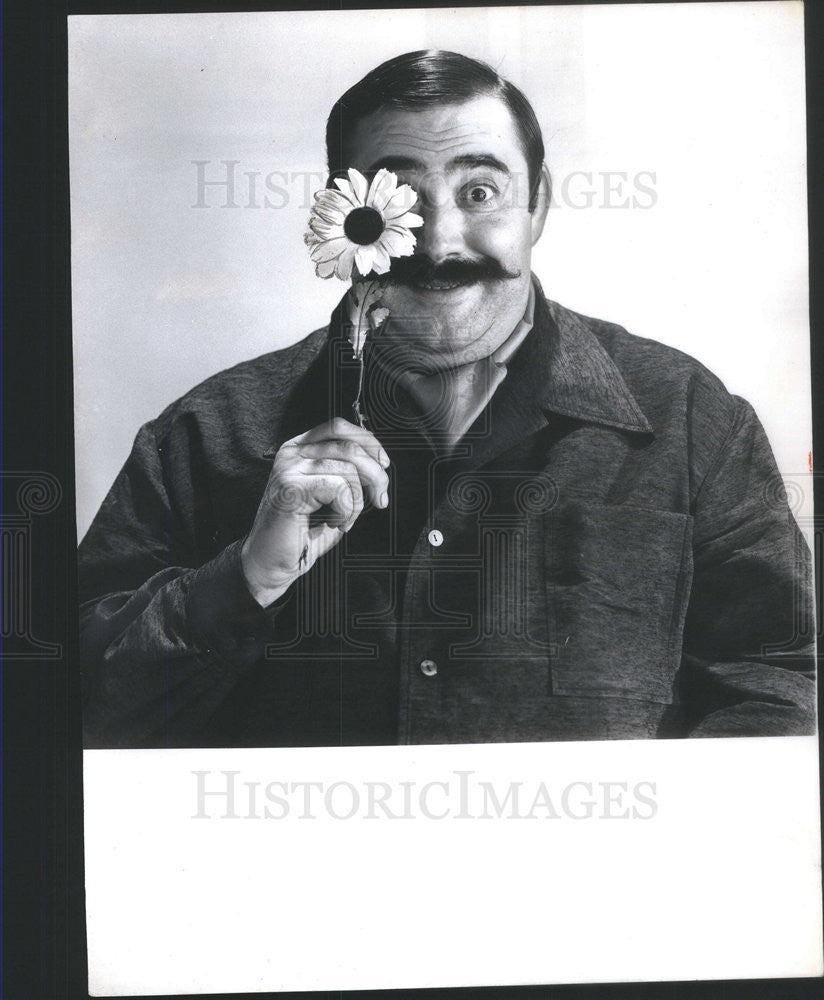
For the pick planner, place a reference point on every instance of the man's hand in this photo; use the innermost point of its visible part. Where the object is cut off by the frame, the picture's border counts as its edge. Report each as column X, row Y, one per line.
column 317, row 489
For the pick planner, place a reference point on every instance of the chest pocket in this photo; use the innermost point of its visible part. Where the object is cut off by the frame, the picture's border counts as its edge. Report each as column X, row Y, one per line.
column 617, row 584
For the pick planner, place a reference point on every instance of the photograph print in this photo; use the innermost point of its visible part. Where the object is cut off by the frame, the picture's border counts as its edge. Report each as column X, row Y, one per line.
column 450, row 387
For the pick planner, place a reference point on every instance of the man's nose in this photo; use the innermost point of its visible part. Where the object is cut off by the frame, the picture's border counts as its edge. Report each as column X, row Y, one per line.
column 442, row 232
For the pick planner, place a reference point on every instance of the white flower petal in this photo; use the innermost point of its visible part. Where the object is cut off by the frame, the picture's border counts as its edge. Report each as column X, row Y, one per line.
column 338, row 200
column 409, row 221
column 401, row 201
column 396, row 243
column 331, row 215
column 344, row 200
column 365, row 258
column 344, row 190
column 325, row 269
column 381, row 189
column 359, row 185
column 336, row 209
column 381, row 265
column 343, row 265
column 325, row 230
column 330, row 249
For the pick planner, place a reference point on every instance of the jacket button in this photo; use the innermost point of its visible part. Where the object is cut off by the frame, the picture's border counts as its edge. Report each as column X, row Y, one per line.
column 429, row 668
column 435, row 537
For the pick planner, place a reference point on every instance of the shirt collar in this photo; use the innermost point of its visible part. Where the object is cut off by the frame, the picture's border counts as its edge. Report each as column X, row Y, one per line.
column 507, row 349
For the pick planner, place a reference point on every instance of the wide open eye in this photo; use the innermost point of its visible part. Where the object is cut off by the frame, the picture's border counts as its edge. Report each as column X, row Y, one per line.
column 479, row 195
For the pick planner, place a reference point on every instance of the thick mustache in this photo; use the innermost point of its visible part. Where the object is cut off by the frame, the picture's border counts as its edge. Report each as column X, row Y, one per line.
column 465, row 271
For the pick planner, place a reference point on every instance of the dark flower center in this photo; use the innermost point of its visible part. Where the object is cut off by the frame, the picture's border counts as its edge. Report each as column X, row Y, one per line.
column 363, row 225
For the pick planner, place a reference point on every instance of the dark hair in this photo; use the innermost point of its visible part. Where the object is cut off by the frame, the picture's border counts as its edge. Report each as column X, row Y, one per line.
column 417, row 80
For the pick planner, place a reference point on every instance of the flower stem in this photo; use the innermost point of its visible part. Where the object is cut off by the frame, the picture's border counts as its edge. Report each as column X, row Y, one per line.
column 356, row 406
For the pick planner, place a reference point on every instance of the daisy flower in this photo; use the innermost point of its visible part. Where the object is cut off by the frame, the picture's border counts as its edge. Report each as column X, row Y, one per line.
column 355, row 231
column 361, row 225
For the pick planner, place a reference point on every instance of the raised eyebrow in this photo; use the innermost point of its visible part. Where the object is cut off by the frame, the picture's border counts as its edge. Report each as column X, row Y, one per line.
column 480, row 160
column 395, row 163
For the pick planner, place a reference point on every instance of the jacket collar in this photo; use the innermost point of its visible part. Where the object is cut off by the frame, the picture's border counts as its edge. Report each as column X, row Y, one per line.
column 580, row 379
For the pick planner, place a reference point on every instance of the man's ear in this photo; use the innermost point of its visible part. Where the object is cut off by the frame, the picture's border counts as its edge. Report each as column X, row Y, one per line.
column 541, row 204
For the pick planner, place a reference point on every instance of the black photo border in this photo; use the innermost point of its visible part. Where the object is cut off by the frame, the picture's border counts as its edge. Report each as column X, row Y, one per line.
column 42, row 911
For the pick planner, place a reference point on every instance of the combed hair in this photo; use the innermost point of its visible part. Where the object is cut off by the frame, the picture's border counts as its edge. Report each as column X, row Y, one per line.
column 423, row 79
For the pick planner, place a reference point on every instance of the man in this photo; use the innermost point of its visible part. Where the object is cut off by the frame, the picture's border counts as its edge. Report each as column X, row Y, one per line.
column 547, row 529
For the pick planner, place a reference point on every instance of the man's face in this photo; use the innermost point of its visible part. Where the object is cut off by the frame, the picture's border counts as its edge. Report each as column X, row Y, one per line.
column 467, row 165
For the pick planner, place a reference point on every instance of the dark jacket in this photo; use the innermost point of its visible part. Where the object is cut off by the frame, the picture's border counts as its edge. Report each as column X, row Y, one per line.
column 618, row 561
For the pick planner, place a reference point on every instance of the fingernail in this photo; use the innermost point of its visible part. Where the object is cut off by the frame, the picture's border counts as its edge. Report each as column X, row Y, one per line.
column 384, row 499
column 384, row 460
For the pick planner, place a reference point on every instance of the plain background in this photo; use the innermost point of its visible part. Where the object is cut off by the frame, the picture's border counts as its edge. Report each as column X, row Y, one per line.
column 707, row 98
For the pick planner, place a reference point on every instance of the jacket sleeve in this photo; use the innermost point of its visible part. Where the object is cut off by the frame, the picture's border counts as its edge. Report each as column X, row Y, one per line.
column 749, row 643
column 164, row 640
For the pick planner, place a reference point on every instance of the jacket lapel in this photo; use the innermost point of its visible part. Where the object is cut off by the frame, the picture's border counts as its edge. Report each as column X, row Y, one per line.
column 581, row 379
